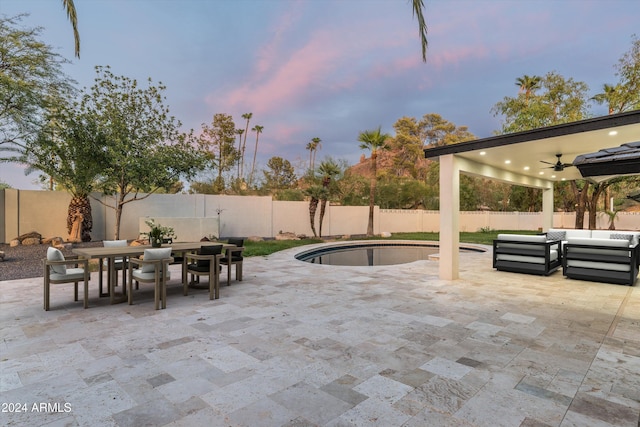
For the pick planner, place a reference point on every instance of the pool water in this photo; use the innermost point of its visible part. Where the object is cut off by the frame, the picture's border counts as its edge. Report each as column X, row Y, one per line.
column 364, row 254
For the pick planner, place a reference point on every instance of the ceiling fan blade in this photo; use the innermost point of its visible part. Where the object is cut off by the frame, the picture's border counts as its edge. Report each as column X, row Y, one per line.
column 548, row 163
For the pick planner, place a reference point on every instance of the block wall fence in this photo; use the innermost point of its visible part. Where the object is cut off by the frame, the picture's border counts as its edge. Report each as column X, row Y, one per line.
column 23, row 211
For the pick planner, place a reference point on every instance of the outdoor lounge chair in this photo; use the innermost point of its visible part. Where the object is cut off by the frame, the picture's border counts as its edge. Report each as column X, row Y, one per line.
column 56, row 271
column 207, row 263
column 154, row 268
column 234, row 256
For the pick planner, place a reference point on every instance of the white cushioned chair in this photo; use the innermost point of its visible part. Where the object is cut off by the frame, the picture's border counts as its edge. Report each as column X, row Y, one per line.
column 119, row 264
column 153, row 268
column 56, row 271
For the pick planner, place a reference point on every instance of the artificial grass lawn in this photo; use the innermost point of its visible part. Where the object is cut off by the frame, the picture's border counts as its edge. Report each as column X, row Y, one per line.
column 270, row 246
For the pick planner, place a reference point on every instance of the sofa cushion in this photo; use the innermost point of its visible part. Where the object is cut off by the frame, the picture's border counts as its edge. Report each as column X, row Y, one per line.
column 598, row 242
column 570, row 232
column 54, row 254
column 154, row 254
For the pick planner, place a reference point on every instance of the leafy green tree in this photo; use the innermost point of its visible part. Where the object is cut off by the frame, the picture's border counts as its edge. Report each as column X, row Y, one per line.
column 561, row 101
column 625, row 95
column 70, row 151
column 31, row 83
column 373, row 140
column 144, row 150
column 280, row 175
column 328, row 169
column 218, row 139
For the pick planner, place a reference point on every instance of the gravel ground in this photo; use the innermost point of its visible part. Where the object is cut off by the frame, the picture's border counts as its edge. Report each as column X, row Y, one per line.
column 24, row 261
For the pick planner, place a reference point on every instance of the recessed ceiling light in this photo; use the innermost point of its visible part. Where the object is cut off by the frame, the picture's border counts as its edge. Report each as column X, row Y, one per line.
column 553, row 176
column 526, row 168
column 541, row 173
column 613, row 133
column 482, row 153
column 563, row 179
column 507, row 162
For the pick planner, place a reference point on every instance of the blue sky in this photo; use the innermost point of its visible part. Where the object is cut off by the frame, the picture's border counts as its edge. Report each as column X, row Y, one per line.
column 333, row 68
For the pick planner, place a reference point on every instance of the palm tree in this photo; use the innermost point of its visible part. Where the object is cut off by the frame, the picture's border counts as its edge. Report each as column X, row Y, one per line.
column 239, row 132
column 312, row 146
column 315, row 193
column 418, row 6
column 258, row 131
column 608, row 95
column 328, row 169
column 73, row 18
column 246, row 116
column 373, row 140
column 528, row 85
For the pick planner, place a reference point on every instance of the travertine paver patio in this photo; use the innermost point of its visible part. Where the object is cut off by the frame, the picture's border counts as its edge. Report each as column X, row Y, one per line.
column 298, row 344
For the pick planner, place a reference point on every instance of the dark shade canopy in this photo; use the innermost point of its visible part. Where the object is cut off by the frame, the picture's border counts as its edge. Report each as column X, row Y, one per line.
column 622, row 160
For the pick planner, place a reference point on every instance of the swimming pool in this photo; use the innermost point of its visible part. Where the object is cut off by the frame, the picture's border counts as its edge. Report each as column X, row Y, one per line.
column 375, row 253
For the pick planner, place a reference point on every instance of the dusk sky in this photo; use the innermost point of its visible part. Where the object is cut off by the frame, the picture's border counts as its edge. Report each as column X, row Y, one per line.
column 333, row 68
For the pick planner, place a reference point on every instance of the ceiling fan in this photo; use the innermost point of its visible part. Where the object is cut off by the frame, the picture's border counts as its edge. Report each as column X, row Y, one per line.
column 557, row 166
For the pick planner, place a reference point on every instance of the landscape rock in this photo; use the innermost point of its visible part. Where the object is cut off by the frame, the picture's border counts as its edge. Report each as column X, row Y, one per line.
column 287, row 236
column 1, row 256
column 255, row 239
column 14, row 243
column 31, row 241
column 385, row 234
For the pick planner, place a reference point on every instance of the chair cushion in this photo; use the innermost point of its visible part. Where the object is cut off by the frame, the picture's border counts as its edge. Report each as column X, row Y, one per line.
column 154, row 254
column 115, row 244
column 54, row 254
column 207, row 250
column 148, row 276
column 522, row 238
column 70, row 275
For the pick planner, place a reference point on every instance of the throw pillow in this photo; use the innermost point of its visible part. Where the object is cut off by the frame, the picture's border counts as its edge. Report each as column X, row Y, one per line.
column 54, row 254
column 556, row 235
column 621, row 236
column 154, row 254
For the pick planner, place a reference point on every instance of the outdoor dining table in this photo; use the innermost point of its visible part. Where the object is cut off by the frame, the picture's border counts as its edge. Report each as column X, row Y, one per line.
column 111, row 253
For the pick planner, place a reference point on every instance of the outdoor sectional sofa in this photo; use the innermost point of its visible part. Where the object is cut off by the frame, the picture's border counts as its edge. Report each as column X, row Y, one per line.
column 526, row 254
column 609, row 256
column 597, row 255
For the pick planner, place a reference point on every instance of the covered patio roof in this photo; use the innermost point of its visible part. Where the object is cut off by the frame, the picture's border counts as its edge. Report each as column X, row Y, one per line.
column 518, row 158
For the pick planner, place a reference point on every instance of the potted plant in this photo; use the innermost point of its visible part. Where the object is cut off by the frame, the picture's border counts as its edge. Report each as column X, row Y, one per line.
column 158, row 233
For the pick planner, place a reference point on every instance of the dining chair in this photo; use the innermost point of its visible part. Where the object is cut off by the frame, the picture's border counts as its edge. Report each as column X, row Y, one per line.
column 119, row 264
column 153, row 268
column 206, row 263
column 233, row 256
column 56, row 271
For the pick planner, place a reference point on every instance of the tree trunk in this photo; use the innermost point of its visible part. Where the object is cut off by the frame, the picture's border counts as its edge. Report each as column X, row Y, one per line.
column 80, row 205
column 313, row 206
column 119, row 205
column 323, row 207
column 581, row 202
column 372, row 192
column 593, row 204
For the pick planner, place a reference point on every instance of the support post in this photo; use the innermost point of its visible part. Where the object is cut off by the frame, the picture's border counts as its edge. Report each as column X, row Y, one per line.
column 449, row 217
